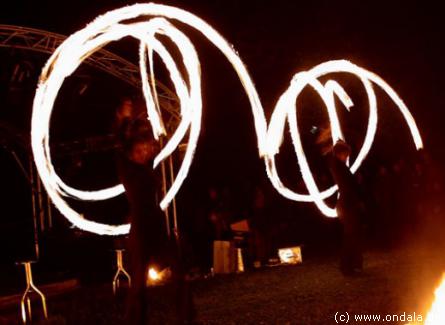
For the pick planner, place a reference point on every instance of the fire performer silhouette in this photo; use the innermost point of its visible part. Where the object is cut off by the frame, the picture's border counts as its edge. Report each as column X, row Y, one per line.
column 349, row 209
column 149, row 242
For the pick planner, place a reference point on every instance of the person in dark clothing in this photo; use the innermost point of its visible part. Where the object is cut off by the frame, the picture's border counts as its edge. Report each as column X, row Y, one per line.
column 258, row 223
column 219, row 213
column 202, row 233
column 349, row 209
column 149, row 242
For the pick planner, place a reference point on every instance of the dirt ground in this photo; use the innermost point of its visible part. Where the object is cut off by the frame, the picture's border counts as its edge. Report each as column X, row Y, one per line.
column 394, row 282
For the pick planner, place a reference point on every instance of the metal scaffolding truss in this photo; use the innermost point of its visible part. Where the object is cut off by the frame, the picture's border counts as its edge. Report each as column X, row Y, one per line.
column 46, row 42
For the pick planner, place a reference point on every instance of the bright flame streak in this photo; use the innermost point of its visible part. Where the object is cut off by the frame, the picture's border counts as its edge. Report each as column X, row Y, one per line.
column 436, row 315
column 190, row 109
column 151, row 9
column 335, row 88
column 327, row 95
column 186, row 106
column 285, row 109
column 82, row 44
column 149, row 91
column 110, row 27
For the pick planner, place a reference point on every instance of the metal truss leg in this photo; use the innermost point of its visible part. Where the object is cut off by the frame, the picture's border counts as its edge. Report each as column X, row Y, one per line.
column 120, row 271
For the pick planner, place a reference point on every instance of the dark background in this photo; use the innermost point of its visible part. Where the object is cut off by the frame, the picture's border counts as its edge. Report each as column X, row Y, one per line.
column 400, row 41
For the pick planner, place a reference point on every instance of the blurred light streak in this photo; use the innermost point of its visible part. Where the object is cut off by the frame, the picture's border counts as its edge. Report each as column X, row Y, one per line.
column 134, row 21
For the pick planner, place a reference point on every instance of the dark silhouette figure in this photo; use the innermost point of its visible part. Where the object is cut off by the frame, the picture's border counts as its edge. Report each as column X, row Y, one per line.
column 149, row 243
column 260, row 228
column 219, row 213
column 203, row 230
column 349, row 208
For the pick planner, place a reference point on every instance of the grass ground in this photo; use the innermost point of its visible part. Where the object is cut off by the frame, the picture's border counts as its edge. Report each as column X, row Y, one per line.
column 393, row 282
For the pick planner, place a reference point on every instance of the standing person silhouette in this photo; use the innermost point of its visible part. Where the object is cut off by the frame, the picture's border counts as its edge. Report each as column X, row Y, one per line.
column 259, row 224
column 149, row 242
column 349, row 209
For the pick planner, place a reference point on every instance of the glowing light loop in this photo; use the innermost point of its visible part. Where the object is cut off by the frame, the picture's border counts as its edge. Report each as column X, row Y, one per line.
column 286, row 110
column 144, row 22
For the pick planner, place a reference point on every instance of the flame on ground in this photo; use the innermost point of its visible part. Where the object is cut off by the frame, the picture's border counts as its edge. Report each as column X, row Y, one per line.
column 436, row 315
column 153, row 274
column 156, row 277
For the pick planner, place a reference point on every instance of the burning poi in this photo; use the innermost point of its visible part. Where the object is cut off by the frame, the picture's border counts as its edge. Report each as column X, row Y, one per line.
column 146, row 22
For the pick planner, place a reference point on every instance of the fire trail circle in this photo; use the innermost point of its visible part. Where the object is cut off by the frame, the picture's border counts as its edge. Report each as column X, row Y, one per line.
column 145, row 22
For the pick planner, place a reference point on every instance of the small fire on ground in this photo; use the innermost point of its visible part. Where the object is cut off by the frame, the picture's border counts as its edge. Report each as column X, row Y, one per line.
column 436, row 315
column 155, row 277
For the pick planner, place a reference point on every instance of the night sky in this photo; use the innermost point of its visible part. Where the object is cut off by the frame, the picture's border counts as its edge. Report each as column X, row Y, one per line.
column 403, row 42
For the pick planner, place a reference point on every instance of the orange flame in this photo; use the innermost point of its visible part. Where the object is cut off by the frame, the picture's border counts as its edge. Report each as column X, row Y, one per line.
column 436, row 315
column 153, row 274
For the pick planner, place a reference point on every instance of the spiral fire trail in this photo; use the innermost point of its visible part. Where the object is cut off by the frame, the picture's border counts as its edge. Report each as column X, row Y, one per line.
column 144, row 22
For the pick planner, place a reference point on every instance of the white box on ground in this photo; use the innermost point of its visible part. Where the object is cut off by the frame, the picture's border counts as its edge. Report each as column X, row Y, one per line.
column 224, row 256
column 290, row 255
